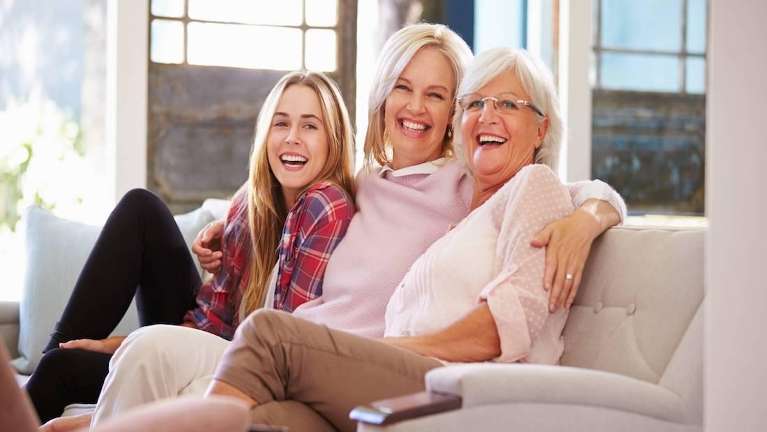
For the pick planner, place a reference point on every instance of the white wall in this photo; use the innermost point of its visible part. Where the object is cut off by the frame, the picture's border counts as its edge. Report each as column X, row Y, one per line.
column 736, row 249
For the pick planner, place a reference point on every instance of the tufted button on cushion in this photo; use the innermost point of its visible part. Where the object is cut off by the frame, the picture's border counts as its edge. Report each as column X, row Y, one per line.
column 631, row 309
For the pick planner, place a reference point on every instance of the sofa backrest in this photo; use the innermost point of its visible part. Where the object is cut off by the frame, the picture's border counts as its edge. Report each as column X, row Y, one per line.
column 640, row 291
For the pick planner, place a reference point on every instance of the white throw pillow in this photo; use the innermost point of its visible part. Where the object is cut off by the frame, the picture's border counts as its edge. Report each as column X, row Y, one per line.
column 56, row 252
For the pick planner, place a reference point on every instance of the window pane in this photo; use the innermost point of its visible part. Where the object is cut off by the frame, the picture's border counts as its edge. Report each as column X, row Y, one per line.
column 646, row 24
column 244, row 46
column 289, row 12
column 321, row 50
column 696, row 75
column 651, row 148
column 167, row 41
column 168, row 8
column 321, row 13
column 640, row 72
column 696, row 26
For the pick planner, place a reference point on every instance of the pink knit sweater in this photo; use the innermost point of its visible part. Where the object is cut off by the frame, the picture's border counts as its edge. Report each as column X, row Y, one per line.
column 398, row 218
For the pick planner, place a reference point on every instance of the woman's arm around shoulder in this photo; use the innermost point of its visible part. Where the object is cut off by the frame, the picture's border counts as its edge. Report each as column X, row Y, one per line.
column 218, row 298
column 568, row 240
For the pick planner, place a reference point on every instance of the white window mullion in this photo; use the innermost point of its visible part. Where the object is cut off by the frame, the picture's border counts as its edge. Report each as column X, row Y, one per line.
column 126, row 95
column 575, row 33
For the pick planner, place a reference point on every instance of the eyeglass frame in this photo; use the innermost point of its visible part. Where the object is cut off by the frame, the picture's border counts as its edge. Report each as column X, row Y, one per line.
column 496, row 99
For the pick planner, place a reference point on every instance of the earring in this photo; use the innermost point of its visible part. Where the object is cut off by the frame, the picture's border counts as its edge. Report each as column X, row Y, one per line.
column 449, row 132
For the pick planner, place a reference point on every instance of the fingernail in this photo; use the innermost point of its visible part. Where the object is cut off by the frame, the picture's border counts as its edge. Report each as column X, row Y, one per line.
column 552, row 308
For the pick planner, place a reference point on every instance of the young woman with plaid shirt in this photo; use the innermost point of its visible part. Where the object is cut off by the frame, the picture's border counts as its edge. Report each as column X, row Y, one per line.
column 298, row 196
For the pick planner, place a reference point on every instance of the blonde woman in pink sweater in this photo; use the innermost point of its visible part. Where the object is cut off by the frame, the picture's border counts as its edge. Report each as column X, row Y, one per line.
column 412, row 191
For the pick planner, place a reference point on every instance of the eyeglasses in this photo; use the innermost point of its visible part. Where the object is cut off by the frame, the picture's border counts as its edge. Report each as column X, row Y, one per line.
column 504, row 103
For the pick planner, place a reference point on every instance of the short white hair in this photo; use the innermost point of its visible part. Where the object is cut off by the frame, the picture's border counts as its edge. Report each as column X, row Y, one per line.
column 536, row 80
column 396, row 54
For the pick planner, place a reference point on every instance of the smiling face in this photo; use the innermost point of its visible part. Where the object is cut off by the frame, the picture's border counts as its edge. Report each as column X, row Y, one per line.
column 297, row 145
column 419, row 107
column 498, row 145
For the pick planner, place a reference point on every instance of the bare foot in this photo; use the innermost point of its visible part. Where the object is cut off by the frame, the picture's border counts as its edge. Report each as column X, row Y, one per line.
column 66, row 424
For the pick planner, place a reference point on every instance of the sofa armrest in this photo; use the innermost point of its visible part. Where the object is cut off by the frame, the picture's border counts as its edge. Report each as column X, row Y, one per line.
column 471, row 385
column 489, row 383
column 9, row 326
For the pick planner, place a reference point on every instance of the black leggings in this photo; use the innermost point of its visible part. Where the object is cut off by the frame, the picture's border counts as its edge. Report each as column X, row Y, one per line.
column 140, row 252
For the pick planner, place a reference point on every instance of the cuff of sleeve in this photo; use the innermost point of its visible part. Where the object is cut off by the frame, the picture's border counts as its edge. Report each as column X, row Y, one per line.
column 189, row 319
column 510, row 321
column 597, row 189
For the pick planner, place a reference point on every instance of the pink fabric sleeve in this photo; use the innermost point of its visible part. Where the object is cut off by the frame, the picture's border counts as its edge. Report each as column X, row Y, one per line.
column 516, row 297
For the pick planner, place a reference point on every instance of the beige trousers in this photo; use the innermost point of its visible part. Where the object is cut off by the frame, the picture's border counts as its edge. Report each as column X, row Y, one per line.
column 158, row 362
column 309, row 377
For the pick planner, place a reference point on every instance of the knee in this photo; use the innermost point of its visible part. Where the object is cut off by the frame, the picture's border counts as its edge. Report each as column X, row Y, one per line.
column 138, row 196
column 263, row 319
column 148, row 344
column 140, row 201
column 265, row 324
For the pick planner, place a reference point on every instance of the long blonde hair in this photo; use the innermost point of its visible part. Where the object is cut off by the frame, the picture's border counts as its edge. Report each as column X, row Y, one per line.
column 267, row 209
column 396, row 54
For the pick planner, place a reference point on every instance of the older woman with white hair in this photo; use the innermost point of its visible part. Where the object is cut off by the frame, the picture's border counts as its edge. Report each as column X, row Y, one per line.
column 477, row 294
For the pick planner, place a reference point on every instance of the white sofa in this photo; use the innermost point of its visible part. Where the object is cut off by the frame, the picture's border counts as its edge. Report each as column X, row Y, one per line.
column 633, row 356
column 632, row 361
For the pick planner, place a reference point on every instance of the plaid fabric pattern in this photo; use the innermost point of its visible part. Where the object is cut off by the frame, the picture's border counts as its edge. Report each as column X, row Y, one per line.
column 219, row 298
column 313, row 228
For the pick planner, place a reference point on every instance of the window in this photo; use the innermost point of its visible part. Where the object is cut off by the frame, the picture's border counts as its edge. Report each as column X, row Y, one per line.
column 299, row 34
column 648, row 121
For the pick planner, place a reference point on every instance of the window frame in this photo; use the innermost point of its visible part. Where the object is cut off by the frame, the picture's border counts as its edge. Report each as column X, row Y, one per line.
column 682, row 54
column 185, row 19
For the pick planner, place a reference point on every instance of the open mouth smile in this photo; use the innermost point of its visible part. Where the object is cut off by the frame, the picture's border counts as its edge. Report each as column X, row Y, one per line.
column 293, row 161
column 413, row 128
column 487, row 139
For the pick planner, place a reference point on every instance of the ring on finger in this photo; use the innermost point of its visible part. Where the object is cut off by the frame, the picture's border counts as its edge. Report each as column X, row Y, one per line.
column 568, row 276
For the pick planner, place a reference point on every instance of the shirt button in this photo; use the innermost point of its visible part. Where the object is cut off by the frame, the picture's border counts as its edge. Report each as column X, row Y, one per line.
column 598, row 307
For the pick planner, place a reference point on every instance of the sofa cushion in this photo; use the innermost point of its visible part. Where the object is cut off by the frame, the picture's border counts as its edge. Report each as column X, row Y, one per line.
column 640, row 291
column 56, row 250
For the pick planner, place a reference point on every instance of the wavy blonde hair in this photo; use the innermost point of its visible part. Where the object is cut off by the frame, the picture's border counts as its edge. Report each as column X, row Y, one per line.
column 267, row 209
column 396, row 54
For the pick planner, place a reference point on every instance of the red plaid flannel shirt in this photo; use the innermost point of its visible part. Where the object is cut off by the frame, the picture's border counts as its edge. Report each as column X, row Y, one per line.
column 314, row 227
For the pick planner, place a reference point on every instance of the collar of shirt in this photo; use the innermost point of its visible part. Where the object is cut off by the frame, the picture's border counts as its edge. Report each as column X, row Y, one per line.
column 316, row 186
column 422, row 168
